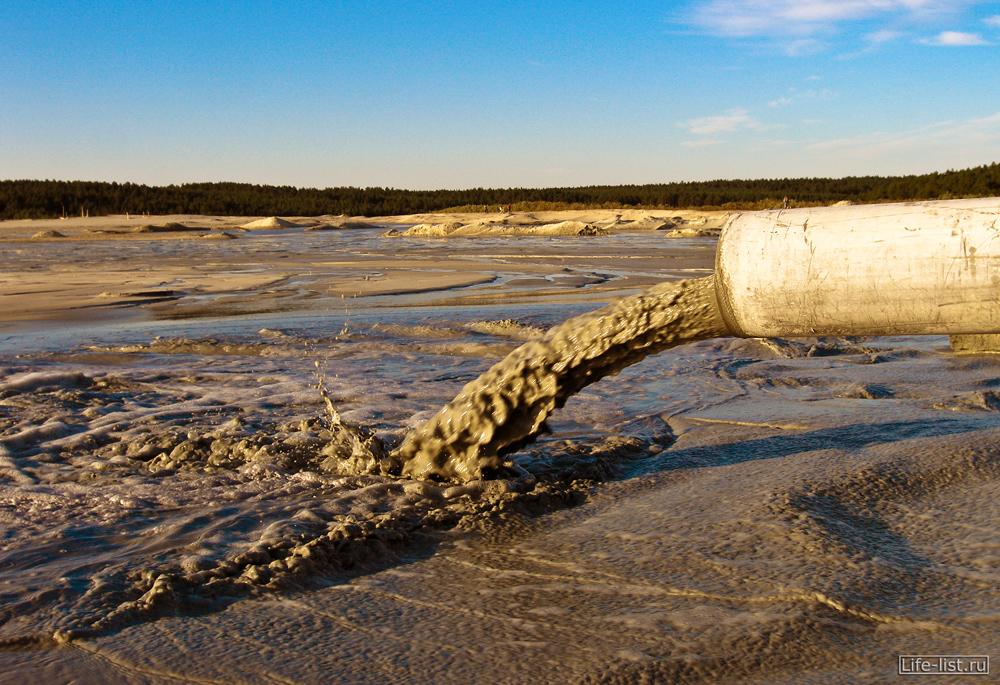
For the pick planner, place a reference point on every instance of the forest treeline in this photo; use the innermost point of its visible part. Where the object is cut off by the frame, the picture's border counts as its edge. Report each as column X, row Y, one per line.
column 26, row 199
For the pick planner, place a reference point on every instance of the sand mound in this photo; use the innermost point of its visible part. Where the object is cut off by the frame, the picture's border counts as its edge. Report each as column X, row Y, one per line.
column 337, row 221
column 566, row 228
column 693, row 232
column 646, row 223
column 433, row 230
column 488, row 228
column 172, row 227
column 269, row 222
column 696, row 227
column 47, row 234
column 219, row 236
column 338, row 225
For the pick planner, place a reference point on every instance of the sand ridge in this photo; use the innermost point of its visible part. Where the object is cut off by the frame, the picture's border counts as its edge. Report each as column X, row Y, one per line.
column 172, row 227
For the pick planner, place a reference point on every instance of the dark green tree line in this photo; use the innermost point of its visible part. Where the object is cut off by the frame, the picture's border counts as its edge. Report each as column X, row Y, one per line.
column 31, row 199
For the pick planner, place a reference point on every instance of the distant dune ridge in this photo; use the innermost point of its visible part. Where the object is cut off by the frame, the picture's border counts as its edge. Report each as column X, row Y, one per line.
column 593, row 223
column 169, row 227
column 269, row 222
column 486, row 227
column 329, row 224
column 541, row 223
column 492, row 228
column 41, row 235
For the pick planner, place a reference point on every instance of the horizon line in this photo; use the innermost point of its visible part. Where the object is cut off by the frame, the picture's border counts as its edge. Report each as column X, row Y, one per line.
column 483, row 187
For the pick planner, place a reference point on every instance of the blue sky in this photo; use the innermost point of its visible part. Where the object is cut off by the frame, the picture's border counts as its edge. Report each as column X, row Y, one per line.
column 460, row 94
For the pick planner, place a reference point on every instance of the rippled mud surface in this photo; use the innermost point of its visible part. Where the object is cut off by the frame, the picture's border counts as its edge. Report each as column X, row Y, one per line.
column 193, row 498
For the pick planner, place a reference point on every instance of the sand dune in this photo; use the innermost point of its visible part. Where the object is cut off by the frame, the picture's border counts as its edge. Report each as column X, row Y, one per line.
column 42, row 235
column 269, row 222
column 174, row 227
column 595, row 222
column 488, row 228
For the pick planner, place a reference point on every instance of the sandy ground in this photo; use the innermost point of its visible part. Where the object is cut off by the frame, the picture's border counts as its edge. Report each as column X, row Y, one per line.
column 237, row 276
column 729, row 511
column 120, row 227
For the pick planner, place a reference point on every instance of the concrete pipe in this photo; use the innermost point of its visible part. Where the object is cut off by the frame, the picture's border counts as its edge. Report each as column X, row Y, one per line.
column 896, row 269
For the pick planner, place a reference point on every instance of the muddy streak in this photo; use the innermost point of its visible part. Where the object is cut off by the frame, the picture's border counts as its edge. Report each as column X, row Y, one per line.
column 506, row 406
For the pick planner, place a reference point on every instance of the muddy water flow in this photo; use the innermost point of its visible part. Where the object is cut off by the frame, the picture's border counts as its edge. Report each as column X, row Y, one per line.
column 506, row 406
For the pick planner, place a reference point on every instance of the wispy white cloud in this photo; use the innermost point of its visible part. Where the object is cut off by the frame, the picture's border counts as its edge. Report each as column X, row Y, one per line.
column 795, row 96
column 883, row 36
column 802, row 46
column 747, row 18
column 872, row 42
column 977, row 131
column 993, row 21
column 956, row 39
column 728, row 122
column 702, row 142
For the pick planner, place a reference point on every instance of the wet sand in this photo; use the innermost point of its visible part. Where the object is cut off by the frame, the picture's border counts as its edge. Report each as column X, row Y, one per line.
column 101, row 268
column 178, row 500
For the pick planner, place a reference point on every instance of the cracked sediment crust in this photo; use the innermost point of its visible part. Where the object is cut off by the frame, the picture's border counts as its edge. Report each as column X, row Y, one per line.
column 506, row 406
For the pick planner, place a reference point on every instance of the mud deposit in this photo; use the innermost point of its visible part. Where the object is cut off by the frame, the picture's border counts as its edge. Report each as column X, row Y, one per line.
column 191, row 490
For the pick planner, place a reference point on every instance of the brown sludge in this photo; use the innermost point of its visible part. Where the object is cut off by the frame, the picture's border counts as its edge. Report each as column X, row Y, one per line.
column 503, row 408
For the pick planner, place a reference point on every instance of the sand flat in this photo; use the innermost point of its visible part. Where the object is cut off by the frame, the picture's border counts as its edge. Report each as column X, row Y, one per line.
column 183, row 494
column 102, row 267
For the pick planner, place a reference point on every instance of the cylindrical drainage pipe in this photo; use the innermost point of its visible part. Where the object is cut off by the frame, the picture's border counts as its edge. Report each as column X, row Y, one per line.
column 895, row 269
